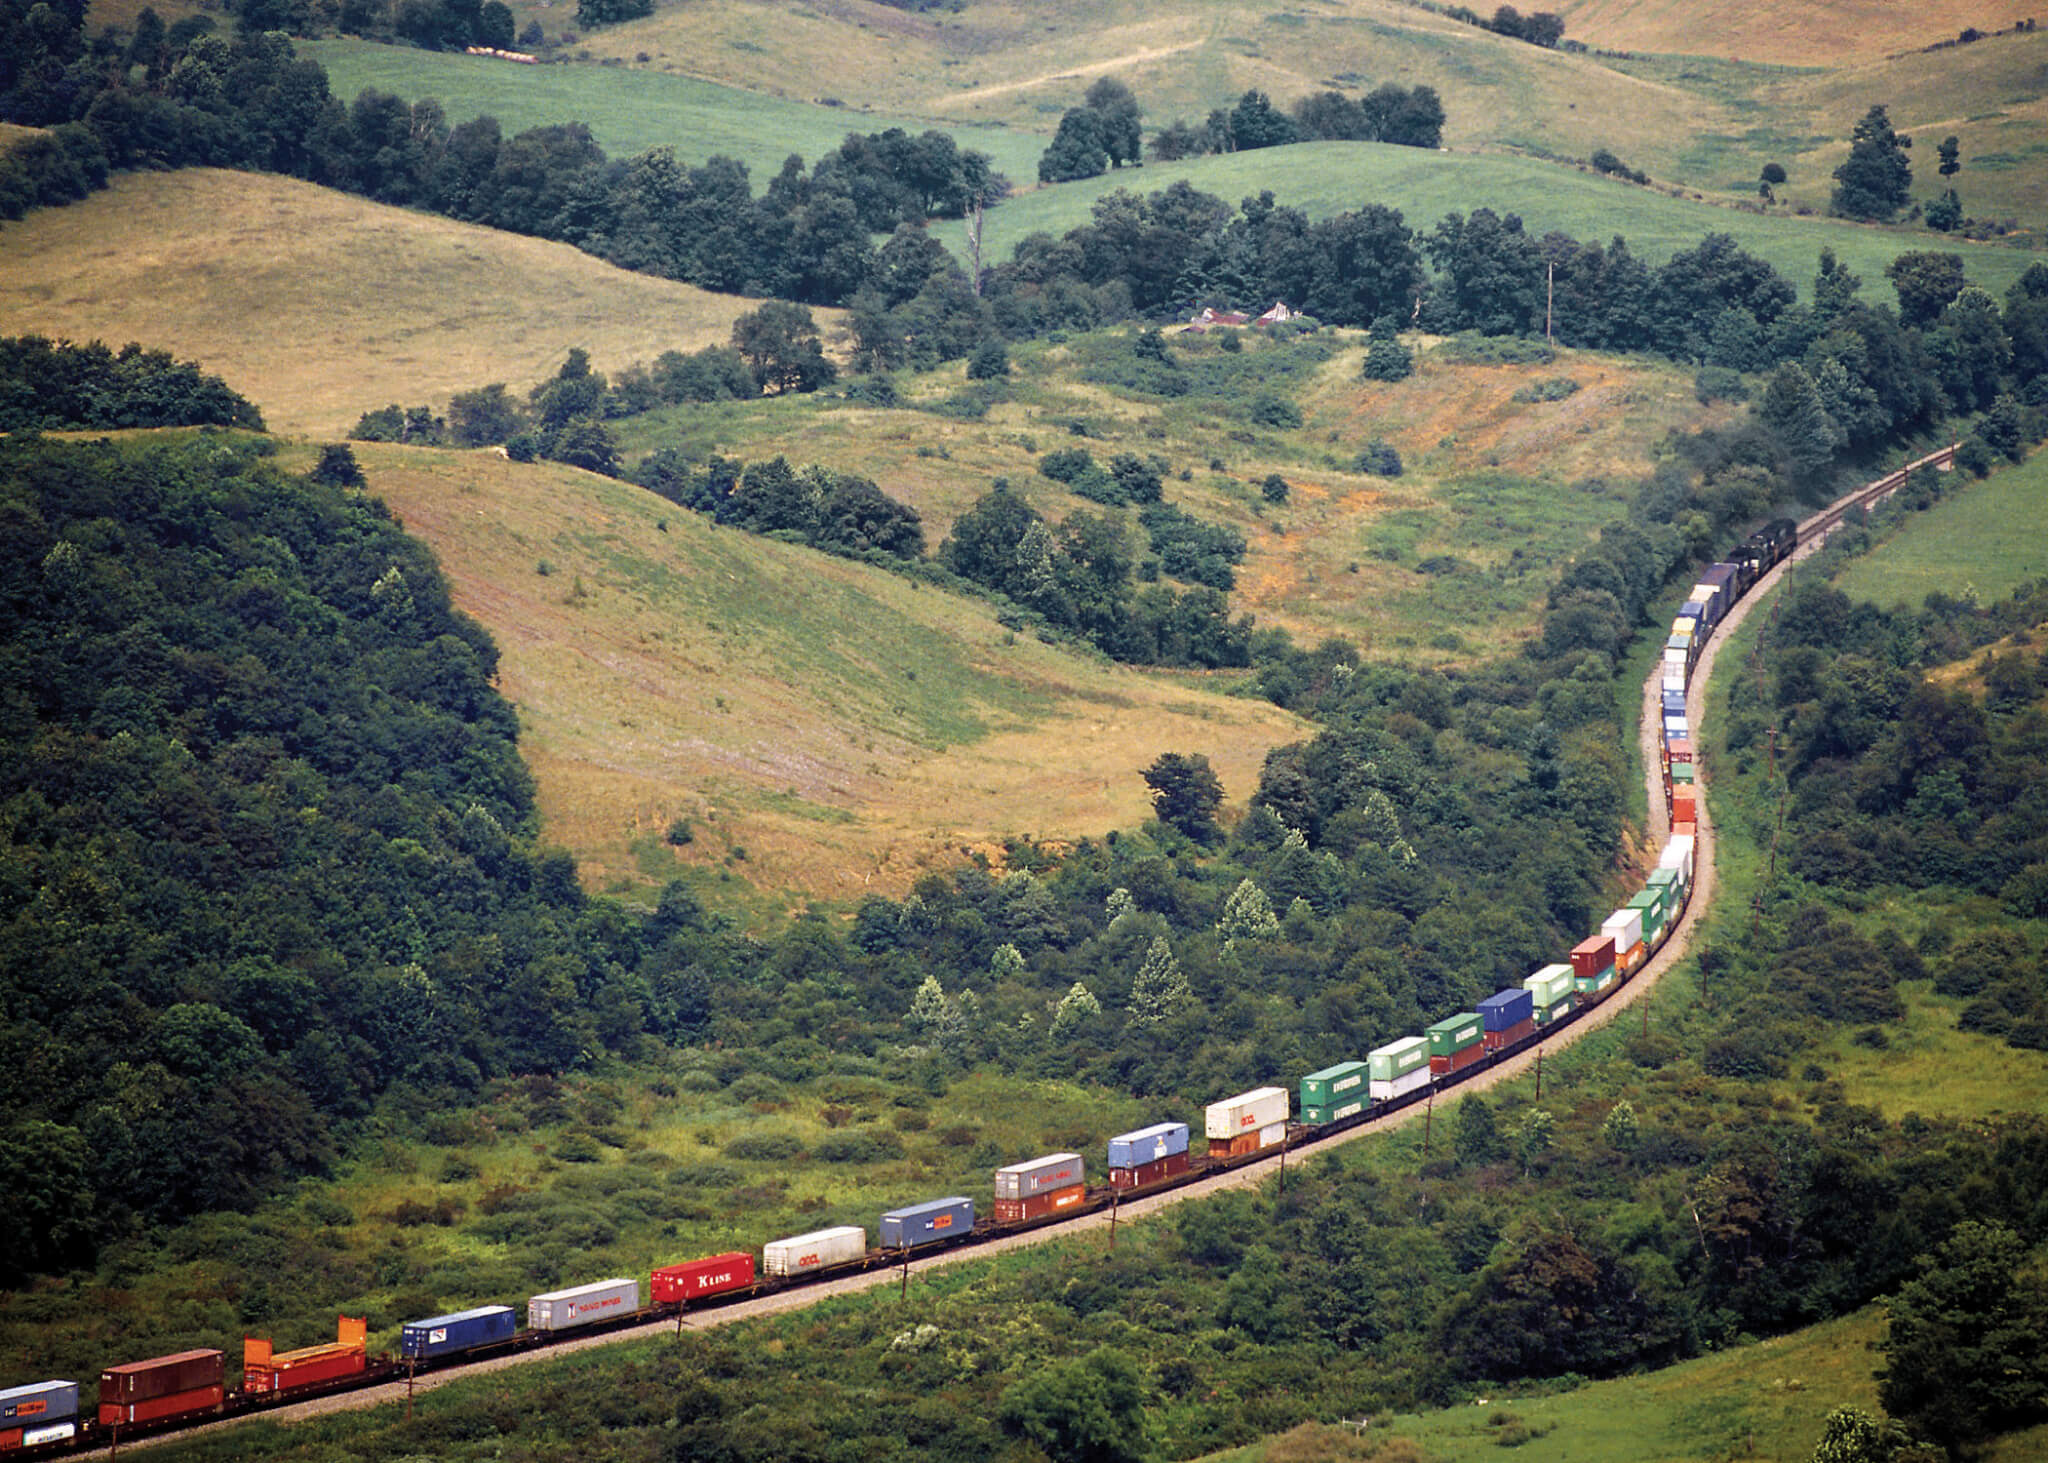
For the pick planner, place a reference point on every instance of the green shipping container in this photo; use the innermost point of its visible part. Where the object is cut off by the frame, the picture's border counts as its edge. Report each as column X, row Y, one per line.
column 1333, row 1086
column 1547, row 1014
column 1681, row 772
column 1351, row 1106
column 1454, row 1033
column 1398, row 1059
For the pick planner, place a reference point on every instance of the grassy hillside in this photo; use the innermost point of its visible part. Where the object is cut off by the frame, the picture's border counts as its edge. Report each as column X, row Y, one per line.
column 823, row 728
column 1328, row 177
column 632, row 109
column 1827, row 33
column 318, row 306
column 1965, row 544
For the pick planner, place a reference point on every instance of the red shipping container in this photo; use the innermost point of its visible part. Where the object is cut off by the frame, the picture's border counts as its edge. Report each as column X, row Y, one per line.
column 1009, row 1211
column 1680, row 750
column 10, row 1439
column 1684, row 827
column 680, row 1284
column 1457, row 1061
column 1232, row 1147
column 136, row 1382
column 1494, row 1041
column 1591, row 956
column 1683, row 808
column 175, row 1404
column 1148, row 1173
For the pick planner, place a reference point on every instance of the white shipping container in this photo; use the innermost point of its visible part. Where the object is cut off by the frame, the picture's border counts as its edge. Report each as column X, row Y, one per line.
column 1626, row 925
column 601, row 1300
column 1040, row 1175
column 1672, row 682
column 1549, row 983
column 1272, row 1134
column 55, row 1432
column 1260, row 1108
column 1678, row 855
column 812, row 1251
column 1396, row 1087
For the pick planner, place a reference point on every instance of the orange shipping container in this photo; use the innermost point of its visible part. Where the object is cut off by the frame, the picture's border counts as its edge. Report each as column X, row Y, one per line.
column 264, row 1371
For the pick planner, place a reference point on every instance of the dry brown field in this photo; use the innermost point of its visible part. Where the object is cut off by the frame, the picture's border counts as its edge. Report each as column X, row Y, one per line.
column 318, row 306
column 826, row 729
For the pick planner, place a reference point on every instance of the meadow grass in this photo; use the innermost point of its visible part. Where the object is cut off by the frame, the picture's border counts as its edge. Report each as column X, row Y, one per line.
column 824, row 728
column 319, row 306
column 1980, row 541
column 1324, row 178
column 631, row 109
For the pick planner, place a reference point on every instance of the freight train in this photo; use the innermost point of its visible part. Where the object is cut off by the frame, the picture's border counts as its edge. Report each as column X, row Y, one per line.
column 161, row 1393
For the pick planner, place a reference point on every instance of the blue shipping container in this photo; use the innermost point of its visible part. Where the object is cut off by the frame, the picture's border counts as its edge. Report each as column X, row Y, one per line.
column 920, row 1224
column 1674, row 703
column 38, row 1403
column 1148, row 1145
column 439, row 1335
column 1510, row 1007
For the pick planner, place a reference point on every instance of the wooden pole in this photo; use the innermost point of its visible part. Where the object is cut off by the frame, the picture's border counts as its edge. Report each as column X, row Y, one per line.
column 1539, row 1074
column 1115, row 1195
column 904, row 1293
column 410, row 1363
column 1283, row 1164
column 1549, row 296
column 1428, row 1113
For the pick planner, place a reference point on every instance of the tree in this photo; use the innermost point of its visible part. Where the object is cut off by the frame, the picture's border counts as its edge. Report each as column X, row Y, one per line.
column 484, row 417
column 1851, row 1435
column 1185, row 794
column 780, row 344
column 1876, row 180
column 1161, row 987
column 1620, row 1129
column 1475, row 1137
column 1950, row 152
column 1247, row 914
column 1963, row 1354
column 1117, row 113
column 1945, row 214
column 1085, row 1411
column 990, row 361
column 1077, row 149
column 1255, row 122
column 1077, row 1011
column 1386, row 359
column 1537, row 1133
column 1926, row 283
column 337, row 467
column 590, row 14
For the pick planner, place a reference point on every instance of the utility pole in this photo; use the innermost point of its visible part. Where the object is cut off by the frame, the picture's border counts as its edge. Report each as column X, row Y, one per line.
column 1549, row 297
column 1115, row 1194
column 1428, row 1113
column 410, row 1363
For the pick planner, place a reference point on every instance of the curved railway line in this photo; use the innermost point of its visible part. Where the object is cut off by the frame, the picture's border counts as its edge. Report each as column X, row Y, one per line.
column 388, row 1381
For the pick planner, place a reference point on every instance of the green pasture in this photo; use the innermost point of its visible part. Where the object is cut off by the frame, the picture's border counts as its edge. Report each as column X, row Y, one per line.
column 630, row 111
column 1981, row 540
column 1324, row 178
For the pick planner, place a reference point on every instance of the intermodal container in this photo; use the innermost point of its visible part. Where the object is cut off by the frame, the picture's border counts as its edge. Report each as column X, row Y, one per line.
column 1040, row 1204
column 1683, row 827
column 163, row 1386
column 1454, row 1034
column 1626, row 927
column 1720, row 575
column 1685, row 628
column 583, row 1305
column 1334, row 1086
column 1397, row 1068
column 1684, row 806
column 1319, row 1113
column 814, row 1251
column 1675, row 664
column 1591, row 956
column 1251, row 1142
column 1682, row 772
column 1674, row 703
column 1549, row 985
column 1545, row 1015
column 1682, row 643
column 458, row 1331
column 1259, row 1108
column 38, row 1402
column 265, row 1371
column 1039, row 1176
column 1148, row 1145
column 1694, row 609
column 697, row 1279
column 1678, row 855
column 1628, row 961
column 1137, row 1175
column 1507, row 1036
column 55, row 1432
column 1672, row 681
column 926, row 1223
column 1678, row 749
column 10, row 1439
column 1675, row 727
column 1506, row 1008
column 1457, row 1061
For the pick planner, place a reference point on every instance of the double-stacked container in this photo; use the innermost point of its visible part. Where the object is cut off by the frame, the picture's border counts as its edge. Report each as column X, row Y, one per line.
column 265, row 1371
column 1592, row 966
column 1685, row 806
column 583, row 1305
column 1147, row 1155
column 1678, row 855
column 177, row 1385
column 458, row 1331
column 701, row 1279
column 1398, row 1068
column 1455, row 1042
column 1040, row 1187
column 1550, row 992
column 1247, row 1122
column 926, row 1223
column 1333, row 1093
column 1653, row 905
column 41, row 1412
column 1625, row 928
column 814, row 1251
column 1506, row 1016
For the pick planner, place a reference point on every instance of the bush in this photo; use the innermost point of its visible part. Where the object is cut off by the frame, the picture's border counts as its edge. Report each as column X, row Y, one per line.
column 1270, row 410
column 1550, row 388
column 990, row 362
column 862, row 1145
column 873, row 391
column 1719, row 383
column 1380, row 459
column 1386, row 359
column 765, row 1147
column 1274, row 488
column 1065, row 464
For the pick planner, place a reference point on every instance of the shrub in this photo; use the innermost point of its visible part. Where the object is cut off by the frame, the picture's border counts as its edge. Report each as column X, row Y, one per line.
column 1550, row 388
column 1065, row 464
column 1268, row 409
column 1380, row 459
column 1274, row 488
column 765, row 1147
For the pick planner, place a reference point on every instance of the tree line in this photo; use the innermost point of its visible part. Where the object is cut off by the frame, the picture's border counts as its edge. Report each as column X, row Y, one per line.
column 57, row 386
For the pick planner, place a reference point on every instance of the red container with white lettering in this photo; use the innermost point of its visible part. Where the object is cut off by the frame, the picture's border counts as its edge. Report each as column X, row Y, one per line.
column 1037, row 1206
column 681, row 1284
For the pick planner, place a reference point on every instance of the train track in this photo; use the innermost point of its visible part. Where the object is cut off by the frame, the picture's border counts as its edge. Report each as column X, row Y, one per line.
column 1814, row 529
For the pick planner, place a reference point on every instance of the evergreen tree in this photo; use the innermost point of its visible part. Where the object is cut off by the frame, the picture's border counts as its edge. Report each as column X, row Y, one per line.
column 1247, row 914
column 1161, row 988
column 1876, row 179
column 1077, row 1011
